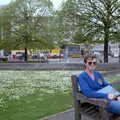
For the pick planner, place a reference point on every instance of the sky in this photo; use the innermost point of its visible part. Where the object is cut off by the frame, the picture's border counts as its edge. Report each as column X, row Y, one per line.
column 56, row 3
column 4, row 2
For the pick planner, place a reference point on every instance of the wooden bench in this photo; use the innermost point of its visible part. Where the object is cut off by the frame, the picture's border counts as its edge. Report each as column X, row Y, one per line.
column 94, row 108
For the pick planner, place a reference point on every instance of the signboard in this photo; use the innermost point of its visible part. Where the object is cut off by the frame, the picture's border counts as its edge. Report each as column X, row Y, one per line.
column 55, row 51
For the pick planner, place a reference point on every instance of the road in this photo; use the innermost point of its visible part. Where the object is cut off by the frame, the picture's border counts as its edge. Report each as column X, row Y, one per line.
column 71, row 60
column 80, row 60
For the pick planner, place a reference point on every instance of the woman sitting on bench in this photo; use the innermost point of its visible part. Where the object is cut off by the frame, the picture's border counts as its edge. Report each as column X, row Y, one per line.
column 93, row 85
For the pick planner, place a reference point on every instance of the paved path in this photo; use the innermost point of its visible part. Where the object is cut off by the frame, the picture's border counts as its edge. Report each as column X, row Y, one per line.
column 67, row 115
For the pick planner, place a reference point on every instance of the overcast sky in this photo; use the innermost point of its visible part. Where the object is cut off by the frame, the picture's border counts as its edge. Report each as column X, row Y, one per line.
column 4, row 2
column 56, row 3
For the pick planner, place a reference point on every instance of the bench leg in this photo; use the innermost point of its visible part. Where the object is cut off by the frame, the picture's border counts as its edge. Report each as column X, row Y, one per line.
column 104, row 114
column 77, row 111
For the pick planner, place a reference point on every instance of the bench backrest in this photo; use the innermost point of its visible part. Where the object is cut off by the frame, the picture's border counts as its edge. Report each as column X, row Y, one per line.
column 75, row 80
column 76, row 89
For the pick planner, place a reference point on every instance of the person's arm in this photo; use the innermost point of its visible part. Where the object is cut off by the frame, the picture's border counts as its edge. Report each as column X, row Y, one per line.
column 110, row 96
column 87, row 91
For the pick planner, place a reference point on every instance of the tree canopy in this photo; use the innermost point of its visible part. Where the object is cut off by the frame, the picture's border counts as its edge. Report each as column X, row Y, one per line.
column 93, row 20
column 28, row 20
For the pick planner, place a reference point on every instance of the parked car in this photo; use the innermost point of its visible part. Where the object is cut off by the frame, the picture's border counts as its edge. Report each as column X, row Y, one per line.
column 42, row 59
column 116, row 55
column 19, row 55
column 97, row 53
column 35, row 56
column 3, row 58
column 55, row 56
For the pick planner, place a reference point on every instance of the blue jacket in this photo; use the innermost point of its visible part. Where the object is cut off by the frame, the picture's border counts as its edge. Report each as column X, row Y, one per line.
column 90, row 87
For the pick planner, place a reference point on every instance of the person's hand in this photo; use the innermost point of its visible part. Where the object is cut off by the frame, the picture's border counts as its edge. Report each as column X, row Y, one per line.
column 111, row 96
column 118, row 98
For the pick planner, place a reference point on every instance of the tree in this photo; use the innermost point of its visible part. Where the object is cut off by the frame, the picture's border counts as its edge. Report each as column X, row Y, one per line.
column 69, row 25
column 100, row 18
column 5, row 27
column 29, row 23
column 64, row 23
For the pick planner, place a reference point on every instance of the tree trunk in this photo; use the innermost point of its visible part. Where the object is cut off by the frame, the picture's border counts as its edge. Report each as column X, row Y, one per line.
column 26, row 55
column 119, row 53
column 106, row 39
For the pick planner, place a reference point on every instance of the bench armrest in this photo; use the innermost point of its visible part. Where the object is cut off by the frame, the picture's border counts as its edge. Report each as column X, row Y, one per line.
column 99, row 102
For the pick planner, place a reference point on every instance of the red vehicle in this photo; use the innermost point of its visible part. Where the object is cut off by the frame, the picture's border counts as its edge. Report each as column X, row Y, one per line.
column 55, row 56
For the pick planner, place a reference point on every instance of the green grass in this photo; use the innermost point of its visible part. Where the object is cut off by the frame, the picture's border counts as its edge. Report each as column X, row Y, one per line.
column 31, row 95
column 118, row 88
column 31, row 107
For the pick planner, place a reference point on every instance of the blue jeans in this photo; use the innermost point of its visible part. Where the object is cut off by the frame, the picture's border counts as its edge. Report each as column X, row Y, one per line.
column 113, row 105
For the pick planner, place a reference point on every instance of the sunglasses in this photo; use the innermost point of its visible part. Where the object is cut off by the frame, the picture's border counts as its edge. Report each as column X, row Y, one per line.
column 90, row 63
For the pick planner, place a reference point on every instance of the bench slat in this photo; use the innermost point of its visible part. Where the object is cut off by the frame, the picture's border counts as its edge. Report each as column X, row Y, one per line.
column 98, row 102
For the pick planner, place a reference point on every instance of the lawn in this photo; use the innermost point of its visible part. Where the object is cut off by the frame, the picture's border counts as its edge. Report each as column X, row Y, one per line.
column 31, row 95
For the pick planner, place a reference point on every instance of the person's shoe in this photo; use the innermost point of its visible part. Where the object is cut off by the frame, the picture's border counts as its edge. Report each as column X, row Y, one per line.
column 115, row 117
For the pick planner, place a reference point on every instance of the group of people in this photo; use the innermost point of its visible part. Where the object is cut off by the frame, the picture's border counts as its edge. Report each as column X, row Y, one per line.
column 93, row 85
